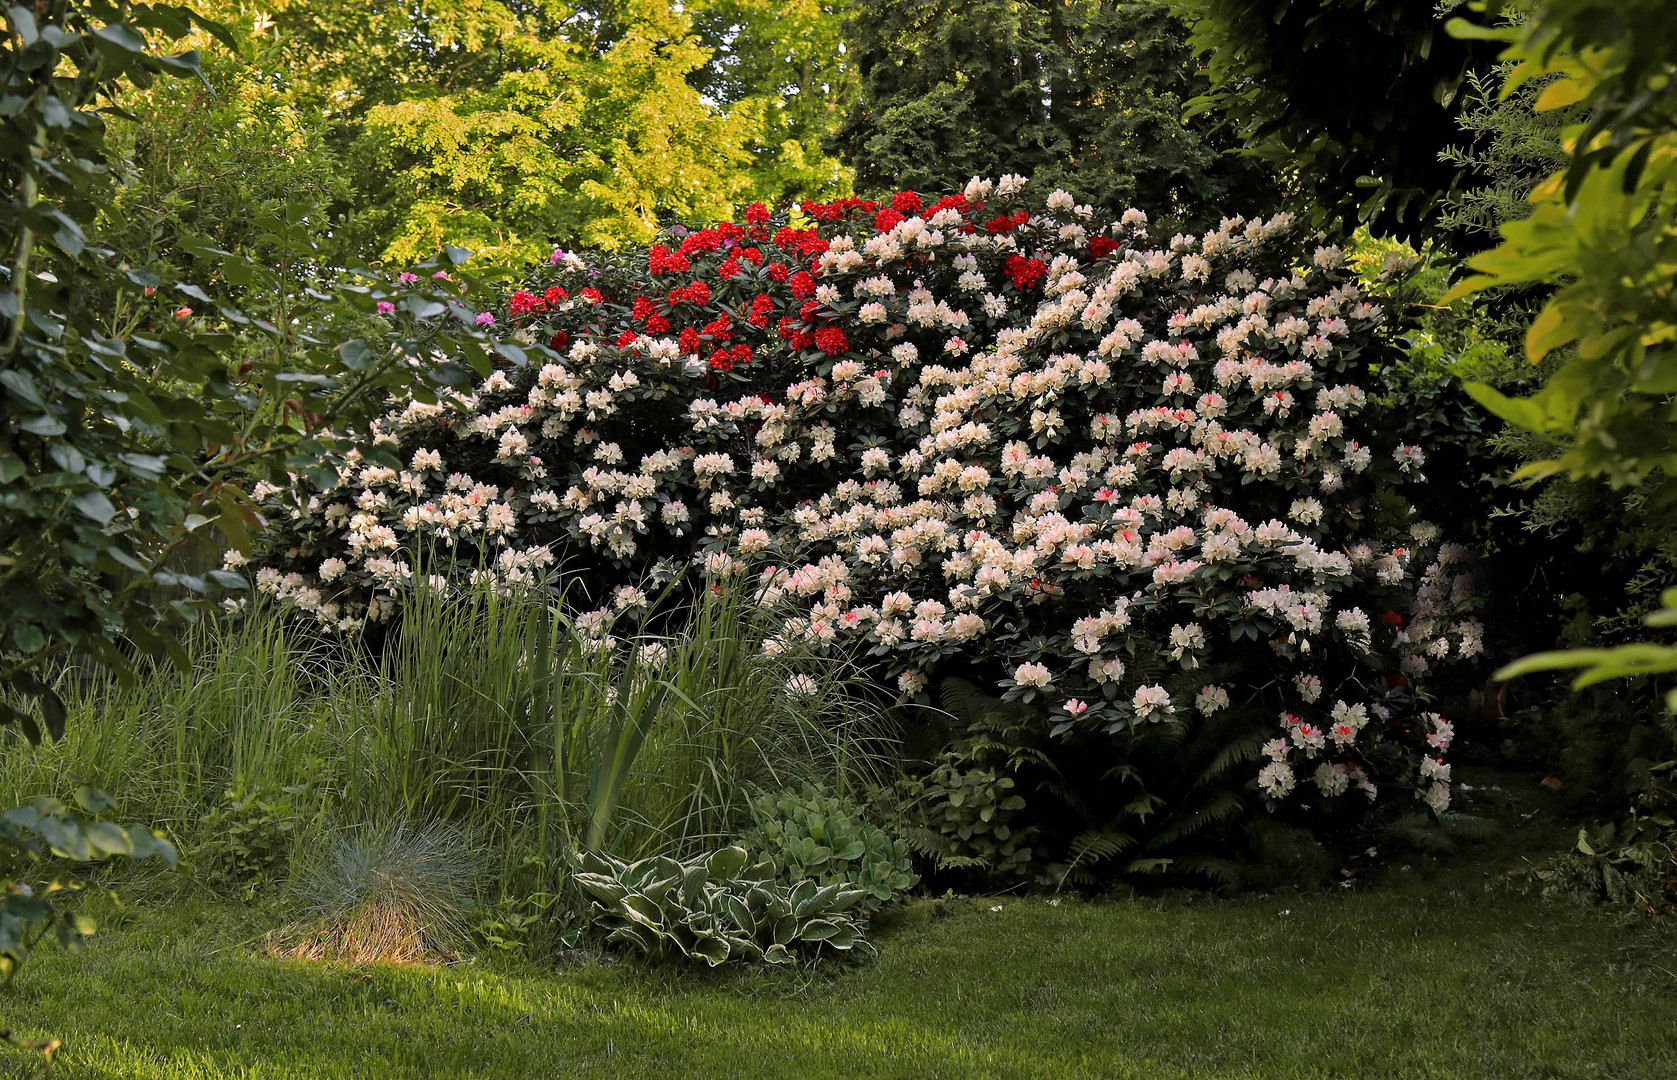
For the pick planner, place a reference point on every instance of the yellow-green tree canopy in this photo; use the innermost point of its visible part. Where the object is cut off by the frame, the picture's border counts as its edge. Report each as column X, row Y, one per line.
column 505, row 127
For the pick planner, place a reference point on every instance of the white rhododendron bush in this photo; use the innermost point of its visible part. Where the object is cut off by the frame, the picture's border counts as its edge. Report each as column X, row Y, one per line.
column 1129, row 479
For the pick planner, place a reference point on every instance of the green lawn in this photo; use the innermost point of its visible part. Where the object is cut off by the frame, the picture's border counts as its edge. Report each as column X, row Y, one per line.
column 1410, row 980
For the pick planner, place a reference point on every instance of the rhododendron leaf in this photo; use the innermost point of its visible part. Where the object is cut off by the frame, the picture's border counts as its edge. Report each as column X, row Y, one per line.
column 355, row 354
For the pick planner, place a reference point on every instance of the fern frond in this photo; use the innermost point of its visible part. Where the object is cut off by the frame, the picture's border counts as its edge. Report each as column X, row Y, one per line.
column 1223, row 806
column 1235, row 753
column 1419, row 832
column 1224, row 873
column 1097, row 845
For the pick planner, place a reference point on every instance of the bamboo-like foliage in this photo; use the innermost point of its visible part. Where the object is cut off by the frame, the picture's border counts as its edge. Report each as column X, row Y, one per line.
column 490, row 711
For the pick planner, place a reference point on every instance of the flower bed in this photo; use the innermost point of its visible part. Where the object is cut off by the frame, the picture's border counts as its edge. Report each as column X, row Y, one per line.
column 1131, row 478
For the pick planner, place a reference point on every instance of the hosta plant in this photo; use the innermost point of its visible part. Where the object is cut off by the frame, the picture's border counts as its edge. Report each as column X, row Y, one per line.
column 715, row 909
column 823, row 838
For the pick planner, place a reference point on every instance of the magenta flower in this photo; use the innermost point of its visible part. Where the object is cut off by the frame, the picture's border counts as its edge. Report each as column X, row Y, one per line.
column 484, row 318
column 406, row 277
column 385, row 307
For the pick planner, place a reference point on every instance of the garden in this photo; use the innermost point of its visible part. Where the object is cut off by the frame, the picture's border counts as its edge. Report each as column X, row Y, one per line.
column 872, row 537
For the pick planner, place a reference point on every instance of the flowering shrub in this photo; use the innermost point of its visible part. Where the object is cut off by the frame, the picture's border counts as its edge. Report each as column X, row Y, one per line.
column 1132, row 480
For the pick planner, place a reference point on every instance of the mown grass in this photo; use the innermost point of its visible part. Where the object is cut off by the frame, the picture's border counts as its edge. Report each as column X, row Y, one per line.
column 1418, row 979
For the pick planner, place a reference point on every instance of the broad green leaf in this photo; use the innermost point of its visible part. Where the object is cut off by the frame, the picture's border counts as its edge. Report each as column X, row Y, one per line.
column 95, row 505
column 122, row 36
column 108, row 839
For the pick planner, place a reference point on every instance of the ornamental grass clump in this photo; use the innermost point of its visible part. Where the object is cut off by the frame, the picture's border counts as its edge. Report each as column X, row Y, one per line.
column 386, row 891
column 1128, row 482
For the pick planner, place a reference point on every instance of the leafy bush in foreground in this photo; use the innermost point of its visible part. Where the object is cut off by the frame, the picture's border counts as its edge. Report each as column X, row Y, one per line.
column 823, row 838
column 1131, row 481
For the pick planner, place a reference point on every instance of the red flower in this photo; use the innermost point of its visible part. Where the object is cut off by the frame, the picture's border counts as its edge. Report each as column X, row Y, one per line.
column 592, row 295
column 831, row 341
column 719, row 361
column 753, row 254
column 1101, row 246
column 778, row 272
column 906, row 202
column 703, row 240
column 560, row 340
column 999, row 224
column 657, row 324
column 730, row 267
column 948, row 202
column 886, row 220
column 523, row 302
column 642, row 308
column 719, row 328
column 553, row 295
column 802, row 284
column 756, row 213
column 699, row 293
column 795, row 334
column 1024, row 273
column 1392, row 618
column 761, row 305
column 688, row 340
column 661, row 260
column 1395, row 679
column 626, row 339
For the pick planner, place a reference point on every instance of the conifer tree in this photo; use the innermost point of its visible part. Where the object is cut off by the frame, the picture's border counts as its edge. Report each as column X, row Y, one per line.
column 1086, row 95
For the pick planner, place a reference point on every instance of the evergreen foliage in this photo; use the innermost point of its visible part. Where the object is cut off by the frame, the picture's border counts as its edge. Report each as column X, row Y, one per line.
column 1351, row 99
column 1086, row 96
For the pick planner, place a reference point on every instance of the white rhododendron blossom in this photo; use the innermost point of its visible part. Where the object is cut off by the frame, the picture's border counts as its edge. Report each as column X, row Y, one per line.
column 1107, row 468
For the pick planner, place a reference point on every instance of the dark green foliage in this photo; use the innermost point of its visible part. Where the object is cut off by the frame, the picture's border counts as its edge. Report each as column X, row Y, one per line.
column 1170, row 803
column 967, row 814
column 1602, row 742
column 717, row 909
column 1601, row 235
column 249, row 833
column 824, row 838
column 1085, row 96
column 1352, row 99
column 966, row 819
column 127, row 428
column 1630, row 863
column 32, row 903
